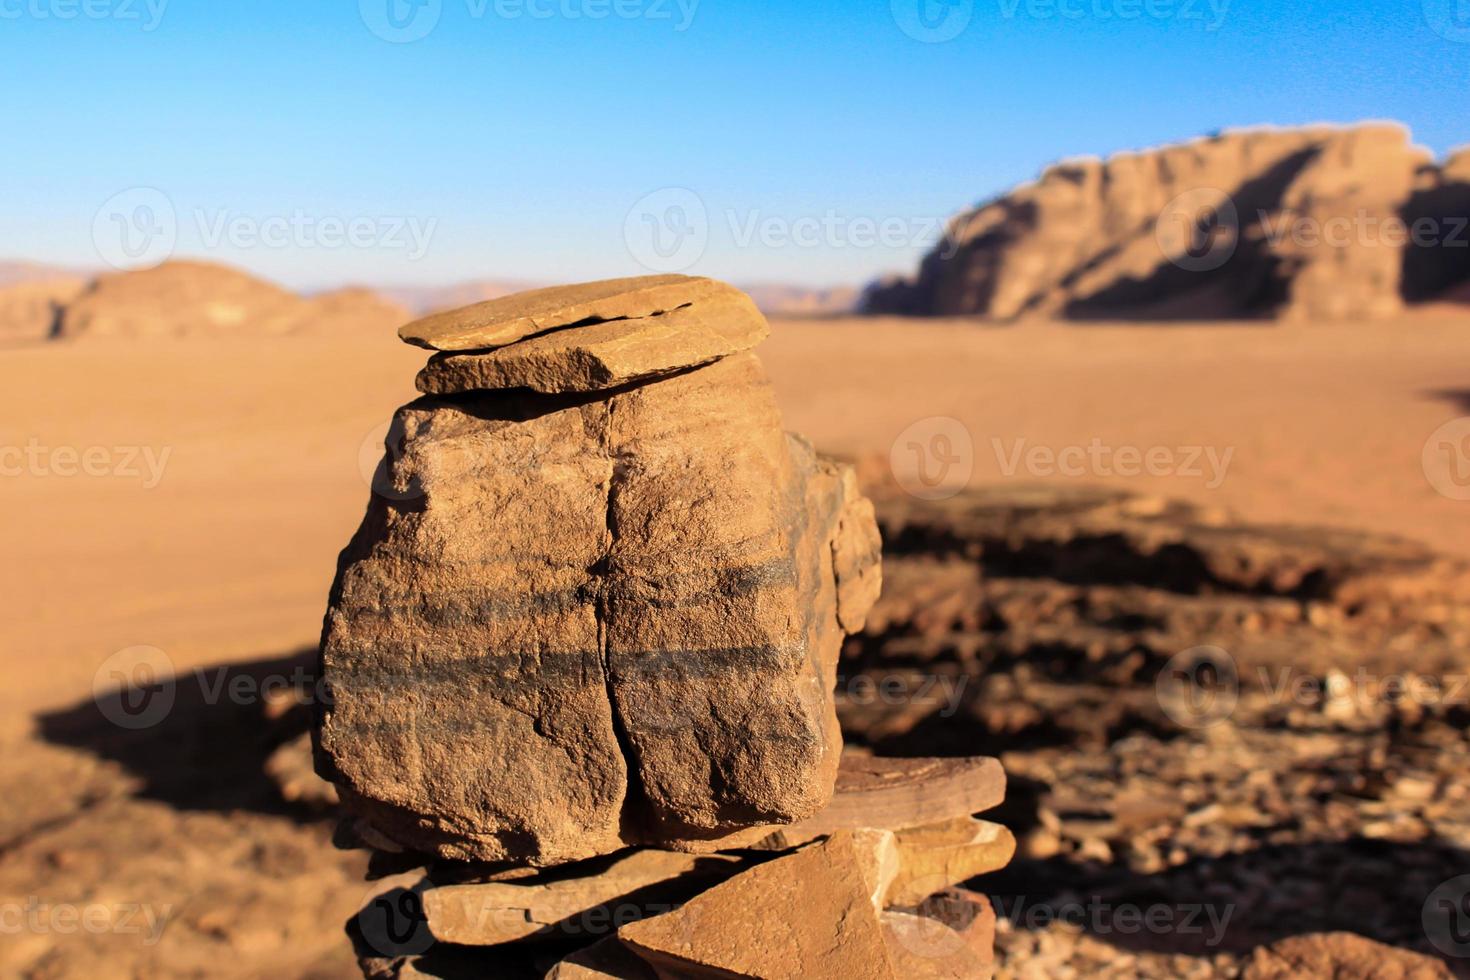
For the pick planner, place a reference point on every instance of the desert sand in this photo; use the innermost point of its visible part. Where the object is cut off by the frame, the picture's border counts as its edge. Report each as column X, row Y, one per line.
column 268, row 442
column 234, row 469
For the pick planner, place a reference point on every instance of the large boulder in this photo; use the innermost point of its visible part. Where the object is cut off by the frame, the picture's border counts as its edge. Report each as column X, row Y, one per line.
column 602, row 613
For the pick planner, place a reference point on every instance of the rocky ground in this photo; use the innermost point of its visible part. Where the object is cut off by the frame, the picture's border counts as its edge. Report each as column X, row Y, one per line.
column 1218, row 736
column 1302, row 774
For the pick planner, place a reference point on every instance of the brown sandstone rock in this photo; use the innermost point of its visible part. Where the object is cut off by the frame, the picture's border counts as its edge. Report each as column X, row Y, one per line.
column 576, row 623
column 809, row 914
column 604, row 354
column 583, row 901
column 605, row 960
column 927, row 949
column 507, row 319
column 893, row 794
column 1267, row 221
column 1340, row 956
column 940, row 855
column 969, row 914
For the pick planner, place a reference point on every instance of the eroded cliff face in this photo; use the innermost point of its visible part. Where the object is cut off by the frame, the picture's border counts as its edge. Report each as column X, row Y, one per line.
column 1313, row 223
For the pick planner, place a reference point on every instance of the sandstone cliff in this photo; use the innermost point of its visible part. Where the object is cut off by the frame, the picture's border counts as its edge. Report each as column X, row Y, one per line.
column 1318, row 222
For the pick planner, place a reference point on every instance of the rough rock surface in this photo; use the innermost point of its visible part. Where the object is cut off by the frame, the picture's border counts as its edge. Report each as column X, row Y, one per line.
column 809, row 914
column 969, row 914
column 1340, row 956
column 923, row 948
column 942, row 855
column 574, row 623
column 605, row 960
column 1330, row 795
column 1265, row 221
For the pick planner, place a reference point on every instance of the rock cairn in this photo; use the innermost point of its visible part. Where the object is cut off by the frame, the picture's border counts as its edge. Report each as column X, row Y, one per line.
column 580, row 658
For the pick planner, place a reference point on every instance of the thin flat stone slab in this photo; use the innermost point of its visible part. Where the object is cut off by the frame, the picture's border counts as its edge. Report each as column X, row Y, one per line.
column 573, row 902
column 507, row 319
column 895, row 794
column 937, row 856
column 606, row 354
column 806, row 915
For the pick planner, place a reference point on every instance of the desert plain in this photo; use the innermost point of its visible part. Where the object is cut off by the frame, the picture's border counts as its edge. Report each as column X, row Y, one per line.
column 230, row 472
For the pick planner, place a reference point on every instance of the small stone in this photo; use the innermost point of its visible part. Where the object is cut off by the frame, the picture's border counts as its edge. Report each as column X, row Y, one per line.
column 934, row 857
column 927, row 949
column 1342, row 956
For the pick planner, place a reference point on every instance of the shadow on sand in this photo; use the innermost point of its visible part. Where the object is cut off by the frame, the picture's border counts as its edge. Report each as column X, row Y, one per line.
column 199, row 740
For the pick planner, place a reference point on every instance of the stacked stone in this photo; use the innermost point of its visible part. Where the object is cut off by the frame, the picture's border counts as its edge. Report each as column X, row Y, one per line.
column 580, row 658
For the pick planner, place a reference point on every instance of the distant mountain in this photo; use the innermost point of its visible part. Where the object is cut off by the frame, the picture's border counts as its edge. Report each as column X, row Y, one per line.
column 778, row 298
column 1320, row 222
column 189, row 298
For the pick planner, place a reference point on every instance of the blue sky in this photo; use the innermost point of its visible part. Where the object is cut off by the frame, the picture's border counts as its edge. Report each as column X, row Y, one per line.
column 810, row 142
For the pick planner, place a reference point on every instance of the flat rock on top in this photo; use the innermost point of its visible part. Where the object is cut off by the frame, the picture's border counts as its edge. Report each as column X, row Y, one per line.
column 507, row 319
column 605, row 354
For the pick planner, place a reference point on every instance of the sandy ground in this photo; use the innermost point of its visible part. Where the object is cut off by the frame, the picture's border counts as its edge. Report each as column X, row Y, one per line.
column 227, row 474
column 230, row 554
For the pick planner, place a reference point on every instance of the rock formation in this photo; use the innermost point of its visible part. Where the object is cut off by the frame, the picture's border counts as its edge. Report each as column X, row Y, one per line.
column 1298, row 223
column 29, row 310
column 189, row 299
column 628, row 587
column 597, row 602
